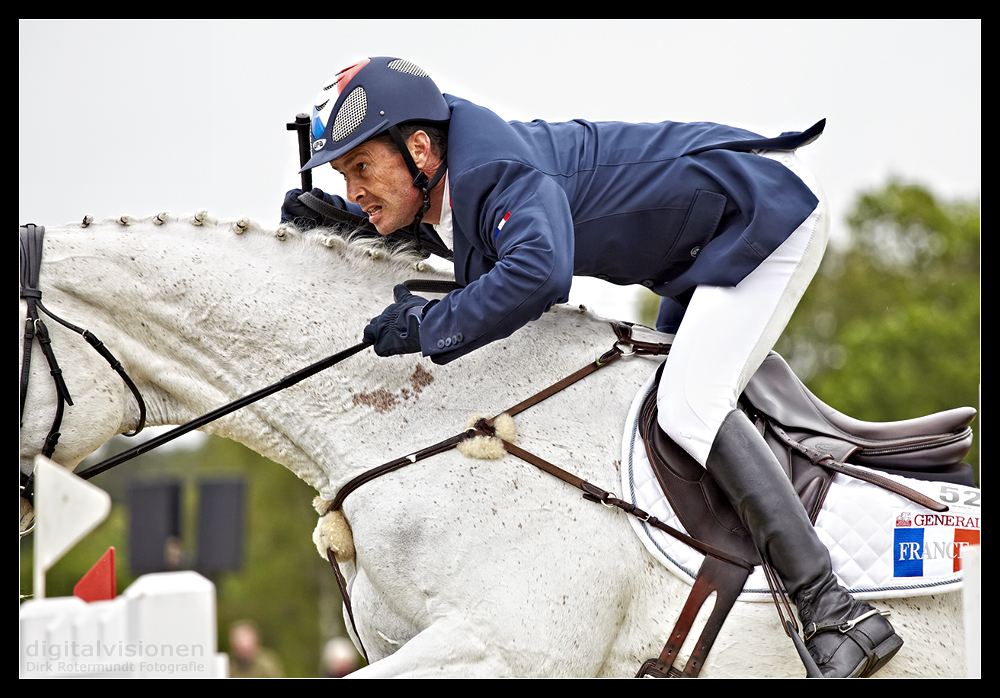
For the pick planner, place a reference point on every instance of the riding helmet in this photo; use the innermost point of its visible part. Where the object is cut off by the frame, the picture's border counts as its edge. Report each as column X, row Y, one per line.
column 365, row 100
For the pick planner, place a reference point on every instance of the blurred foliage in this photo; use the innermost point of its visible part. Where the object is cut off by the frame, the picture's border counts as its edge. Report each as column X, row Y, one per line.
column 284, row 587
column 890, row 327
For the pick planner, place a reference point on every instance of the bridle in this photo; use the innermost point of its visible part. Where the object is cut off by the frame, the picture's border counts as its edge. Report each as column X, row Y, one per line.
column 30, row 239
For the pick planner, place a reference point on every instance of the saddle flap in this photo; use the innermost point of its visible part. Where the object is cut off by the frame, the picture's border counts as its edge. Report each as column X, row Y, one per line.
column 702, row 507
column 699, row 503
column 936, row 441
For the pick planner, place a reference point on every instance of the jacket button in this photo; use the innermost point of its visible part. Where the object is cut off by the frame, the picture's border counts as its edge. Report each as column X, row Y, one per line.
column 458, row 338
column 648, row 283
column 440, row 344
column 694, row 251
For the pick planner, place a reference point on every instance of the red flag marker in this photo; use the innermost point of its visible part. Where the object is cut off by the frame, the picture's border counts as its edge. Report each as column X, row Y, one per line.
column 99, row 583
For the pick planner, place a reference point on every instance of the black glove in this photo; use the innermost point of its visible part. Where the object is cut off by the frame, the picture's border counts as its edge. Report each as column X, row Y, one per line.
column 397, row 329
column 304, row 218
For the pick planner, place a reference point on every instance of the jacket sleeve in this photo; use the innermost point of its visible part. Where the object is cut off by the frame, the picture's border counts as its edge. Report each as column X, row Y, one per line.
column 520, row 219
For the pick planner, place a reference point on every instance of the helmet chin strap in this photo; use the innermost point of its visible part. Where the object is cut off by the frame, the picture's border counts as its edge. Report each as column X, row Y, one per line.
column 420, row 180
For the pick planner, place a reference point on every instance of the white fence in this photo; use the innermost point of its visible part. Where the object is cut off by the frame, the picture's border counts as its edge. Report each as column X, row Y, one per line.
column 164, row 625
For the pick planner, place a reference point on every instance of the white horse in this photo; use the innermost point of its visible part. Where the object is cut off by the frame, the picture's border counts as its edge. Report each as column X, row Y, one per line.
column 463, row 567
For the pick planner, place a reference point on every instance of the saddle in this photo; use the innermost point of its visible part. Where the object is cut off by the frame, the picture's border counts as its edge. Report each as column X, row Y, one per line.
column 812, row 442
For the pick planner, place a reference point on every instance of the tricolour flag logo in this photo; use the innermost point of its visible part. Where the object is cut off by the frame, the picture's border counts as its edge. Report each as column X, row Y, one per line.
column 500, row 227
column 931, row 550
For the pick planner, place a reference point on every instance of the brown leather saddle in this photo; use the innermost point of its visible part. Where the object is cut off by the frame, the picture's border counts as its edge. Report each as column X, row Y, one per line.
column 812, row 442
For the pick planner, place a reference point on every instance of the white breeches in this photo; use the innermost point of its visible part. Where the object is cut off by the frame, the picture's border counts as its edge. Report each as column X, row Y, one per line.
column 727, row 332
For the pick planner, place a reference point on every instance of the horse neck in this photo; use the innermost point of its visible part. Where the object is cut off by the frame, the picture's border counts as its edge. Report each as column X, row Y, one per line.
column 200, row 316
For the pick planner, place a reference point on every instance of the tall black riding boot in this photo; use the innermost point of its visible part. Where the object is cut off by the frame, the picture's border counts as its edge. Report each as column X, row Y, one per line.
column 844, row 636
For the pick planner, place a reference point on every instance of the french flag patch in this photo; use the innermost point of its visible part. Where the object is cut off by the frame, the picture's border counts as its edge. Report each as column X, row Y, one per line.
column 930, row 545
column 500, row 227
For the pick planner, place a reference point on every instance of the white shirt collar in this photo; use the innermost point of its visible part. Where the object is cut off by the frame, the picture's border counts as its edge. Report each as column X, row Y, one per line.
column 443, row 226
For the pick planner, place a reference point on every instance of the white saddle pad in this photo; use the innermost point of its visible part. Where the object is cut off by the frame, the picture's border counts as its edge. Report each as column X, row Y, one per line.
column 882, row 545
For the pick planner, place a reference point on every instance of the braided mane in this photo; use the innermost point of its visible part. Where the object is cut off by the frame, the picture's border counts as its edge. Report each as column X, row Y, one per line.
column 339, row 239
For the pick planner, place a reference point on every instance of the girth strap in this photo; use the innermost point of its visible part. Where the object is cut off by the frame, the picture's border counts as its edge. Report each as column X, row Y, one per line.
column 726, row 582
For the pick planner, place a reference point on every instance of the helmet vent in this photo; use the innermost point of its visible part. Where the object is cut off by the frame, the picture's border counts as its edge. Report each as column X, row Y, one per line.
column 404, row 66
column 352, row 112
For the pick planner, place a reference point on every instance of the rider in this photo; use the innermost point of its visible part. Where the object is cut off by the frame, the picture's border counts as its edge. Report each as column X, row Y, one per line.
column 728, row 227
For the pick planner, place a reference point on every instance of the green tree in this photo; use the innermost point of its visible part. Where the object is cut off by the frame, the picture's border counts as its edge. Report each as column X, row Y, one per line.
column 890, row 327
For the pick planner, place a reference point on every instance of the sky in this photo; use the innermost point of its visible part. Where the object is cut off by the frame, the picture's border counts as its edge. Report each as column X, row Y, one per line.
column 137, row 117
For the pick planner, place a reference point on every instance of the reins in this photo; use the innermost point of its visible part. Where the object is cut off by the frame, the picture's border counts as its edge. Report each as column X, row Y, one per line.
column 286, row 382
column 30, row 239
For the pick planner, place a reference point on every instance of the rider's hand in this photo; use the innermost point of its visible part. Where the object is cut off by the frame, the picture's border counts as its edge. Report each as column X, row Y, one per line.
column 397, row 329
column 301, row 216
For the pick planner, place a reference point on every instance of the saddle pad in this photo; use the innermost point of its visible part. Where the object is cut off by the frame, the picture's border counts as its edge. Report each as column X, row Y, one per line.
column 882, row 545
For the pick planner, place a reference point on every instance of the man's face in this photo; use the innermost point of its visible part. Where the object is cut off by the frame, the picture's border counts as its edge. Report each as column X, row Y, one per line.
column 379, row 181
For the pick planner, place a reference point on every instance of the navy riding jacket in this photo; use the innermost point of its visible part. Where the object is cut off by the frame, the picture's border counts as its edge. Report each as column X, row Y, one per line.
column 665, row 205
